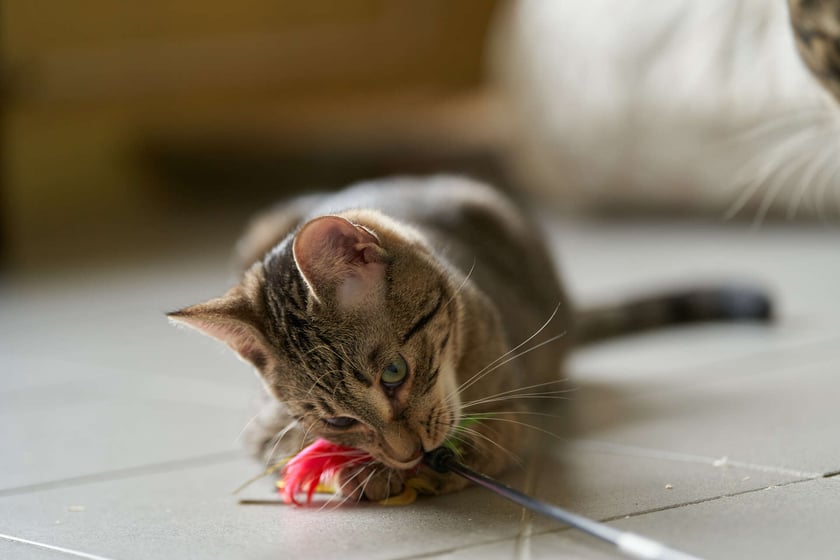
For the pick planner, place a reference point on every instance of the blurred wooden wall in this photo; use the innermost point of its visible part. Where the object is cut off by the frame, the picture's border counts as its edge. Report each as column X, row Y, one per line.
column 102, row 96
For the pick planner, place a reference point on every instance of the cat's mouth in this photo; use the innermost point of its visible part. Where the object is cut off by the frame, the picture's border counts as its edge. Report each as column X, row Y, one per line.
column 391, row 459
column 409, row 463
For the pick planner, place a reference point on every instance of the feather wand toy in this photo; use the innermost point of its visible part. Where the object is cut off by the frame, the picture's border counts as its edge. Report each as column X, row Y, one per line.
column 309, row 471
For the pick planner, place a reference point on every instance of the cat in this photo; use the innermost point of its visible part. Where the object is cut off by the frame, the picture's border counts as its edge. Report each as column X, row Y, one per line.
column 681, row 106
column 403, row 314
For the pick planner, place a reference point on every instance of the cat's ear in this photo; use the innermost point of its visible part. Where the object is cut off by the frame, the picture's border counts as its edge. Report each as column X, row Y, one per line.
column 230, row 318
column 340, row 259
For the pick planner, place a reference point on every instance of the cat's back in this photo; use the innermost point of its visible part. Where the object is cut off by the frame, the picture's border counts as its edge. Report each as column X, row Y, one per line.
column 428, row 203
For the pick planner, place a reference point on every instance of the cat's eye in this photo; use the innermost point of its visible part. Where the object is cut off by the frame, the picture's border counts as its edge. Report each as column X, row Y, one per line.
column 340, row 422
column 395, row 373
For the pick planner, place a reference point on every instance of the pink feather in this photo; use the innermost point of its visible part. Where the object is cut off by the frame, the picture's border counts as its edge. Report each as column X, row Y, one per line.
column 316, row 463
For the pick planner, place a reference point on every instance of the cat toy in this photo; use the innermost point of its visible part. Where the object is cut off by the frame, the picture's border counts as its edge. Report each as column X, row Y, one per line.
column 308, row 471
column 313, row 468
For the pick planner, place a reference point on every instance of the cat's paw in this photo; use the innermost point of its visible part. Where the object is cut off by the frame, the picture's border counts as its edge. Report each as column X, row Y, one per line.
column 374, row 482
column 427, row 481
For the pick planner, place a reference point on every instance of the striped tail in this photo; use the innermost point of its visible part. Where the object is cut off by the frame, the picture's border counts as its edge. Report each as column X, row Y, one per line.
column 720, row 303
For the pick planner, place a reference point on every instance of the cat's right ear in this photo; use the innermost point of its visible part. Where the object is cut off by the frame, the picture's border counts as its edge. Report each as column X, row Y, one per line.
column 341, row 260
column 231, row 319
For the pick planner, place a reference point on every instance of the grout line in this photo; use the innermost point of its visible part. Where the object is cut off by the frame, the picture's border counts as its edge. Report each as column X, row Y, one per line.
column 661, row 509
column 457, row 548
column 631, row 450
column 704, row 500
column 522, row 542
column 564, row 528
column 69, row 551
column 119, row 474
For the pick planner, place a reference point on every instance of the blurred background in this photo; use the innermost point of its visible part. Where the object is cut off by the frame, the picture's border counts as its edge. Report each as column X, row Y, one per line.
column 129, row 126
column 133, row 128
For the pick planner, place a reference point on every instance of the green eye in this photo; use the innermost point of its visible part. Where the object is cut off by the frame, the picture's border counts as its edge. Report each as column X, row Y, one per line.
column 394, row 374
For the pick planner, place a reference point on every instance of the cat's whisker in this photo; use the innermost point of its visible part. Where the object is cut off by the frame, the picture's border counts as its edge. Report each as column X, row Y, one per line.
column 771, row 126
column 285, row 430
column 557, row 395
column 343, row 356
column 525, row 425
column 269, row 458
column 488, row 415
column 837, row 189
column 461, row 286
column 755, row 172
column 831, row 168
column 526, row 388
column 469, row 382
column 465, row 442
column 244, row 428
column 351, row 479
column 456, row 437
column 751, row 180
column 328, row 373
column 487, row 372
column 817, row 166
column 388, row 482
column 778, row 183
column 364, row 485
column 829, row 172
column 475, row 434
column 529, row 396
column 805, row 162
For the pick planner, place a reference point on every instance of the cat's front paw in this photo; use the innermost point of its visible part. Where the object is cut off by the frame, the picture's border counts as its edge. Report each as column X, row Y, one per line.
column 427, row 481
column 374, row 482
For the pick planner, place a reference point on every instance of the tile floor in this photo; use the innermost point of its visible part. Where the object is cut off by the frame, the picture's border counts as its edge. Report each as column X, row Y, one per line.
column 118, row 432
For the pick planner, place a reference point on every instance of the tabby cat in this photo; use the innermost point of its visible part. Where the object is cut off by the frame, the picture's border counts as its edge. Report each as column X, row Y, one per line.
column 387, row 317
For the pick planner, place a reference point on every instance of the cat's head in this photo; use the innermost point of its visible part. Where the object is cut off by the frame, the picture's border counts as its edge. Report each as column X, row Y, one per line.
column 354, row 324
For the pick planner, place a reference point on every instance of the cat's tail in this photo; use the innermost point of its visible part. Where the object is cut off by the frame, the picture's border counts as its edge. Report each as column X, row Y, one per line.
column 719, row 303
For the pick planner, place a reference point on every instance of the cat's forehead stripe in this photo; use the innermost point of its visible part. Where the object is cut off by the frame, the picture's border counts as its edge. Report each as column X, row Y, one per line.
column 362, row 378
column 424, row 319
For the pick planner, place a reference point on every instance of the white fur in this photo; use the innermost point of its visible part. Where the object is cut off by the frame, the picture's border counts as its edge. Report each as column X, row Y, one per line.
column 686, row 104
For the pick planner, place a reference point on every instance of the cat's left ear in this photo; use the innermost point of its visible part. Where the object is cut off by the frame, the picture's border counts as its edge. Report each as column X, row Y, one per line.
column 231, row 319
column 339, row 259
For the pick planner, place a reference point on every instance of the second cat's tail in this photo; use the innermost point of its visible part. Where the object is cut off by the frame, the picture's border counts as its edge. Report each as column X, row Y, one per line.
column 719, row 303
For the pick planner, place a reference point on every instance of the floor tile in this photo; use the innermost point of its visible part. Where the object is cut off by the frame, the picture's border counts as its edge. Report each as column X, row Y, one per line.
column 793, row 521
column 123, row 427
column 63, row 432
column 698, row 354
column 190, row 513
column 605, row 483
column 563, row 546
column 610, row 259
column 13, row 550
column 782, row 418
column 117, row 320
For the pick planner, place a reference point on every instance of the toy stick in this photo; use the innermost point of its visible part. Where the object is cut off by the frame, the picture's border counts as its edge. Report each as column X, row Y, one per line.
column 443, row 460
